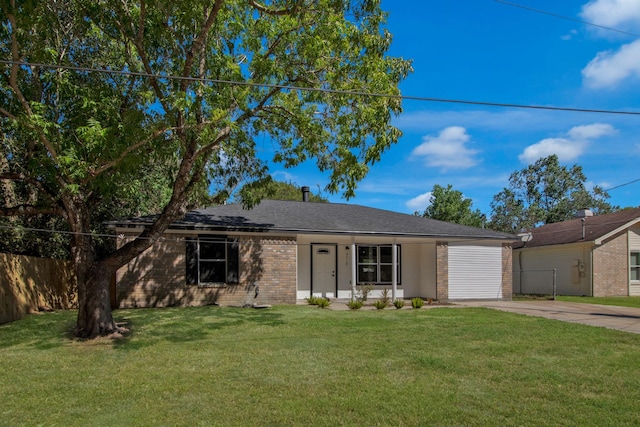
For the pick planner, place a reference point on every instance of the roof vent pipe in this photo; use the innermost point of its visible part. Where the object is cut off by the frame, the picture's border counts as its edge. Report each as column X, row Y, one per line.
column 305, row 194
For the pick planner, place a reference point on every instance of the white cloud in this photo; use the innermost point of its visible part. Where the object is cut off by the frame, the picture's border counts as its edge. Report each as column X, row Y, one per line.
column 447, row 150
column 420, row 202
column 612, row 13
column 610, row 68
column 569, row 36
column 567, row 148
column 592, row 131
column 564, row 148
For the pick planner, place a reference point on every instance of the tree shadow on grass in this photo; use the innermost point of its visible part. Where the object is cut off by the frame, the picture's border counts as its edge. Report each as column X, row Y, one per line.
column 42, row 331
column 186, row 324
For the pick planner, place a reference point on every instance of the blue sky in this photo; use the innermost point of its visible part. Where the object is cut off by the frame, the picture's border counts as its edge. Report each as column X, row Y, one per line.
column 486, row 50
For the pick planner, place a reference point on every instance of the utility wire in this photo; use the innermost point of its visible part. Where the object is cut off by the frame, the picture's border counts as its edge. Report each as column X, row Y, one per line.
column 568, row 18
column 122, row 236
column 622, row 185
column 321, row 90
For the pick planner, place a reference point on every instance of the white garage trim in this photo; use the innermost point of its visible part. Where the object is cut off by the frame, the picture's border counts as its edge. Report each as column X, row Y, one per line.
column 475, row 272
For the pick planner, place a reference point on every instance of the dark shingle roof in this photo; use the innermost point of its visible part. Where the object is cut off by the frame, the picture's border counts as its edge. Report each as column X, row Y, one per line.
column 570, row 231
column 334, row 218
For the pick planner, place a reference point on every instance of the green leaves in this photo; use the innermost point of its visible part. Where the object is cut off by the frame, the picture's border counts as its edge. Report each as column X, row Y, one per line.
column 220, row 76
column 543, row 193
column 447, row 204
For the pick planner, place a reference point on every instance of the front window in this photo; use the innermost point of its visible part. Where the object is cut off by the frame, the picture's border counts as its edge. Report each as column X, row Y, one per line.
column 212, row 260
column 375, row 264
column 634, row 266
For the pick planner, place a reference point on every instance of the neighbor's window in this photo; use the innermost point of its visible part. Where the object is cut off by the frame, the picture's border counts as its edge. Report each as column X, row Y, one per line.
column 212, row 260
column 634, row 266
column 375, row 264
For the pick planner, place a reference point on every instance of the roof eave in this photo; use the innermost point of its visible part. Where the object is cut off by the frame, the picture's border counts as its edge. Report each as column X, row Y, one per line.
column 600, row 240
column 208, row 227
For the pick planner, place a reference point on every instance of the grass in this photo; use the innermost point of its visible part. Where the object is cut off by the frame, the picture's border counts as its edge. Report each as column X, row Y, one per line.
column 297, row 365
column 619, row 301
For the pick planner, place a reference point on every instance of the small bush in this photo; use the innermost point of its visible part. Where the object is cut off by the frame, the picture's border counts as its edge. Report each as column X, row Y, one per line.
column 417, row 302
column 385, row 297
column 364, row 291
column 312, row 300
column 355, row 304
column 323, row 303
column 399, row 303
column 380, row 304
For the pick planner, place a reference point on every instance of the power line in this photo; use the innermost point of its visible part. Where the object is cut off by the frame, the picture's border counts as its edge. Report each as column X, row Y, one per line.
column 622, row 185
column 164, row 238
column 568, row 18
column 321, row 90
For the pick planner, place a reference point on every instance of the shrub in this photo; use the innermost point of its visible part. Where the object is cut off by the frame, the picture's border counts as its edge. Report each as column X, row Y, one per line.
column 355, row 304
column 399, row 303
column 385, row 297
column 364, row 291
column 312, row 300
column 380, row 304
column 323, row 303
column 417, row 302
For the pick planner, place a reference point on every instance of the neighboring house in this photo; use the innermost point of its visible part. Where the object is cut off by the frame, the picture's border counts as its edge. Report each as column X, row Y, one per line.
column 291, row 250
column 592, row 255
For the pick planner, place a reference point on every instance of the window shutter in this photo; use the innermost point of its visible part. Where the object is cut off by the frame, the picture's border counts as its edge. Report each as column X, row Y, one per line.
column 233, row 261
column 192, row 261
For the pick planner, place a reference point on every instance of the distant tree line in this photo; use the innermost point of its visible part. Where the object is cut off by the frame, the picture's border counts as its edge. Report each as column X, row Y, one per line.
column 542, row 193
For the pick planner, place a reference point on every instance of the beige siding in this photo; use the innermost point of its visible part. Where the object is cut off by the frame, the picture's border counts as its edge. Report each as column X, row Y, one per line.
column 533, row 270
column 634, row 238
column 634, row 245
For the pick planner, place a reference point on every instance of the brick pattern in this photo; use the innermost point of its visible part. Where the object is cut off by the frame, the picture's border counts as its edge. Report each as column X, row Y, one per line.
column 157, row 278
column 507, row 272
column 611, row 267
column 442, row 271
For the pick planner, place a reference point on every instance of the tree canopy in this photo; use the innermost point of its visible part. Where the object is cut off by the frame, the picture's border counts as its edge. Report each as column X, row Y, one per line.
column 99, row 97
column 447, row 204
column 285, row 190
column 543, row 193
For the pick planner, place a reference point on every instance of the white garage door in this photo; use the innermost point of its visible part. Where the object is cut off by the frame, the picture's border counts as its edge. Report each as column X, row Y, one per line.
column 475, row 272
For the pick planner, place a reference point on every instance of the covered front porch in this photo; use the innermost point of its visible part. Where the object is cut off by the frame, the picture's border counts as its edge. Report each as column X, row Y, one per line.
column 337, row 266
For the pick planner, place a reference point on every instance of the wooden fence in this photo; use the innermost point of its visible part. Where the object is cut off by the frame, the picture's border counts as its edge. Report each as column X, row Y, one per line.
column 29, row 284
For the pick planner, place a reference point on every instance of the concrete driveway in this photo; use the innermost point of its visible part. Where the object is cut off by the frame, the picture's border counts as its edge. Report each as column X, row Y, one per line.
column 606, row 316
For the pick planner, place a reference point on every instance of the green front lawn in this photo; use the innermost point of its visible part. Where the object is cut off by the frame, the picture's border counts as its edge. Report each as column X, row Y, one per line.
column 620, row 301
column 300, row 365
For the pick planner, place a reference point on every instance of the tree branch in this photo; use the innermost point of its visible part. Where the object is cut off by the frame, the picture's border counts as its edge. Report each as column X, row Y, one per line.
column 29, row 210
column 106, row 166
column 264, row 9
column 7, row 114
column 199, row 44
column 13, row 82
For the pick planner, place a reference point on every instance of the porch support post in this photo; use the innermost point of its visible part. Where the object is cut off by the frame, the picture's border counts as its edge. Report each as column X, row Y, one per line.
column 394, row 271
column 354, row 266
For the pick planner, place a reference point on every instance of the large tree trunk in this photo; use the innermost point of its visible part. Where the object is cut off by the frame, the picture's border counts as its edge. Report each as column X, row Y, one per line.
column 92, row 275
column 94, row 305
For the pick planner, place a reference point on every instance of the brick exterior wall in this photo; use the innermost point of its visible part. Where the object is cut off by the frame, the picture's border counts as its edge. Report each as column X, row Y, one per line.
column 611, row 267
column 442, row 271
column 270, row 263
column 507, row 272
column 157, row 278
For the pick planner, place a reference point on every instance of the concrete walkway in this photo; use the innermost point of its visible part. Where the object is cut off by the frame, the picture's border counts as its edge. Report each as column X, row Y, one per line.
column 606, row 316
